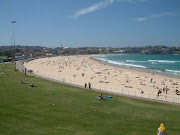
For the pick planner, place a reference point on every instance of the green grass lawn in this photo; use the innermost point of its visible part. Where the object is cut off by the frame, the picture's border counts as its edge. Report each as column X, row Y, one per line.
column 28, row 111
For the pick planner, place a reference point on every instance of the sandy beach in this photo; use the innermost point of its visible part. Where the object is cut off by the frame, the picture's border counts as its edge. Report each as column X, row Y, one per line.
column 82, row 69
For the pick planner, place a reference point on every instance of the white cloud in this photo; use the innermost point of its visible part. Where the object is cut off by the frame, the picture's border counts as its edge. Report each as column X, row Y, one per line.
column 141, row 19
column 157, row 16
column 101, row 5
column 92, row 8
column 164, row 14
column 132, row 1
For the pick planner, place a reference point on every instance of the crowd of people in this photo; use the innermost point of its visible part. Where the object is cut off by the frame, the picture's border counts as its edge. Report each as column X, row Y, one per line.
column 165, row 89
column 23, row 81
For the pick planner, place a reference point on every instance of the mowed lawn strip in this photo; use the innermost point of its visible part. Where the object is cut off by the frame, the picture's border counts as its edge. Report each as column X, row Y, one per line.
column 54, row 108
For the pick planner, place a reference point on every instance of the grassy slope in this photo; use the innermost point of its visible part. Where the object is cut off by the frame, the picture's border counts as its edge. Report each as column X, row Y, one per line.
column 28, row 111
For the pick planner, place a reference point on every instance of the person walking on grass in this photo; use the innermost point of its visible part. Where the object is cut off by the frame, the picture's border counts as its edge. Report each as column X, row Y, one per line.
column 161, row 130
column 89, row 85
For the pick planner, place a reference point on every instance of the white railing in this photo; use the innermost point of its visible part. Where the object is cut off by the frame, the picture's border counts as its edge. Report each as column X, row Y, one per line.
column 124, row 91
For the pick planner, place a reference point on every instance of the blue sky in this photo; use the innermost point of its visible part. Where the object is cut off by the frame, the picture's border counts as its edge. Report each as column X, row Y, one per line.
column 101, row 23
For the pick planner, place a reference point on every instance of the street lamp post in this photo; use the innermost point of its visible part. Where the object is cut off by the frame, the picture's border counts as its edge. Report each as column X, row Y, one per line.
column 13, row 22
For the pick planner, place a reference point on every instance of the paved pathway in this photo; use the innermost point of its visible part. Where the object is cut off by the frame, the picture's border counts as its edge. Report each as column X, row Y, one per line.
column 19, row 66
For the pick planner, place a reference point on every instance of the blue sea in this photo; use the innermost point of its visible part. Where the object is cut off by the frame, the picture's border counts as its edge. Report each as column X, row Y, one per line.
column 162, row 64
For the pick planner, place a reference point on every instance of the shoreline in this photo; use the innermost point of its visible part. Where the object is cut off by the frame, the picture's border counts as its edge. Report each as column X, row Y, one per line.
column 104, row 77
column 130, row 69
column 148, row 71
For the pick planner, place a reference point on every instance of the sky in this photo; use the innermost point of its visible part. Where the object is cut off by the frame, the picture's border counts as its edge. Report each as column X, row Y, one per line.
column 95, row 23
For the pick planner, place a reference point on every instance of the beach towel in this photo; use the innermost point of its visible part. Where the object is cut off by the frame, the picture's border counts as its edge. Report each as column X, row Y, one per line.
column 31, row 87
column 110, row 97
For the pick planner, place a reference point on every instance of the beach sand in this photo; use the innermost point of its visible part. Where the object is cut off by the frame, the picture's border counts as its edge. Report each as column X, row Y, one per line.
column 82, row 69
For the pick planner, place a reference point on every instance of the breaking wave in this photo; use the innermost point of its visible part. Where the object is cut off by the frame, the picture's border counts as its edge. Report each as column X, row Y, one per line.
column 134, row 61
column 124, row 64
column 163, row 61
column 175, row 71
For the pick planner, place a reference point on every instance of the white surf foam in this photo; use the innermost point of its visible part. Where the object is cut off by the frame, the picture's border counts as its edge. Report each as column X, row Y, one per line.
column 135, row 61
column 130, row 60
column 100, row 58
column 163, row 61
column 125, row 64
column 175, row 71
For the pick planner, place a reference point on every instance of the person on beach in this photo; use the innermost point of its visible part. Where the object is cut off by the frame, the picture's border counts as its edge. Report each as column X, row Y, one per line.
column 158, row 93
column 161, row 130
column 89, row 85
column 166, row 89
column 85, row 85
column 177, row 92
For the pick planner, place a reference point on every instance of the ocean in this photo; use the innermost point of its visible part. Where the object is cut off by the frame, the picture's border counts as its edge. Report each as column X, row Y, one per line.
column 168, row 65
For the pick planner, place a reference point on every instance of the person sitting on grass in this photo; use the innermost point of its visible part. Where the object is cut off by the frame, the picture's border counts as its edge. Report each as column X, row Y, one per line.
column 101, row 97
column 25, row 79
column 32, row 85
column 22, row 80
column 161, row 130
